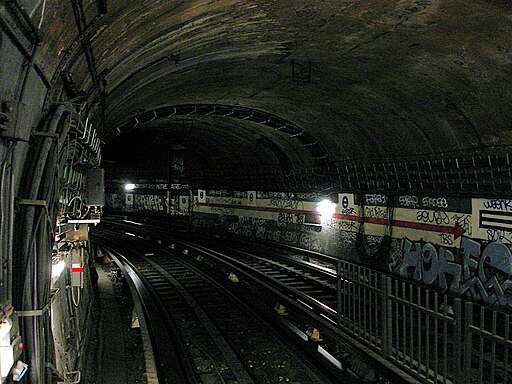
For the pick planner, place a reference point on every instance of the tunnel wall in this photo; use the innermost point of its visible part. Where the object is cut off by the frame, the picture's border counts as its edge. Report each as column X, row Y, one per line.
column 75, row 315
column 457, row 244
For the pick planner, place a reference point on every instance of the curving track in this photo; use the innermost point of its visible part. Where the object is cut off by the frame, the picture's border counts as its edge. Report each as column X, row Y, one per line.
column 216, row 337
column 374, row 326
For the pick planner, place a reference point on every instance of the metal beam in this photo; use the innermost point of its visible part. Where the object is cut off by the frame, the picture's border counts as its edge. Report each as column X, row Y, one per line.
column 81, row 24
column 39, row 312
column 21, row 14
column 27, row 54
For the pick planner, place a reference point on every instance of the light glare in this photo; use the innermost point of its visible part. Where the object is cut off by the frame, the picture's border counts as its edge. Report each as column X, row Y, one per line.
column 6, row 349
column 129, row 187
column 326, row 208
column 57, row 269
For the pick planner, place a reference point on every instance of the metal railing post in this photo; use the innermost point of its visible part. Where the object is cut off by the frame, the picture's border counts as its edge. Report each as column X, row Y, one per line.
column 386, row 315
column 468, row 343
column 458, row 342
column 338, row 292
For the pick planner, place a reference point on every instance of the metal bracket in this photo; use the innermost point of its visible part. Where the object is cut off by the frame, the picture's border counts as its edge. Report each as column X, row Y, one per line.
column 36, row 203
column 72, row 377
column 54, row 136
column 40, row 203
column 83, row 221
column 39, row 312
column 5, row 312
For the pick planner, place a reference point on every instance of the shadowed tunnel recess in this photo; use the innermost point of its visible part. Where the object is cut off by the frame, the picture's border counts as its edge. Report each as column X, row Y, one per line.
column 359, row 83
column 219, row 138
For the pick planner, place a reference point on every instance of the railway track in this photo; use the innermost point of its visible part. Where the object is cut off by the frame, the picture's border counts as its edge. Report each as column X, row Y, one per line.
column 224, row 340
column 380, row 328
column 304, row 283
column 311, row 281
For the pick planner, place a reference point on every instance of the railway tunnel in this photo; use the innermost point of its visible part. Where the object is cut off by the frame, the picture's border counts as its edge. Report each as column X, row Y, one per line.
column 367, row 144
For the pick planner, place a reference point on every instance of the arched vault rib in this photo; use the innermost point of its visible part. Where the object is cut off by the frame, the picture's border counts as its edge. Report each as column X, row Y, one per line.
column 318, row 153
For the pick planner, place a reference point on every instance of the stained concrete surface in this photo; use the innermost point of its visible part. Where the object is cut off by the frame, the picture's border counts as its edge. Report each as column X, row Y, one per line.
column 120, row 353
column 111, row 352
column 356, row 75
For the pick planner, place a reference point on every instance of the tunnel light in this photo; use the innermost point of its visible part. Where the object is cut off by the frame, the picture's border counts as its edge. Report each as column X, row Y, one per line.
column 6, row 349
column 129, row 187
column 326, row 208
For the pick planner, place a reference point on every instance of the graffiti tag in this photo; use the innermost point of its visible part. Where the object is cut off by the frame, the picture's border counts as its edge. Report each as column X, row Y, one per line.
column 408, row 201
column 484, row 273
column 286, row 203
column 499, row 205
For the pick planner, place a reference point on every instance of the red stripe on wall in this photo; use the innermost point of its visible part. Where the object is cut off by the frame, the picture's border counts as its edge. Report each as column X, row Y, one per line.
column 260, row 209
column 456, row 230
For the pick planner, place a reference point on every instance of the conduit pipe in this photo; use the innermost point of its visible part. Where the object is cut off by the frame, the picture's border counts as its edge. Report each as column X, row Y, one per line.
column 20, row 9
column 31, row 264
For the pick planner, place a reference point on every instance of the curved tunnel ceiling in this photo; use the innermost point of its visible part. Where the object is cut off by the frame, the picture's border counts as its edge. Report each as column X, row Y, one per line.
column 210, row 144
column 369, row 79
column 274, row 128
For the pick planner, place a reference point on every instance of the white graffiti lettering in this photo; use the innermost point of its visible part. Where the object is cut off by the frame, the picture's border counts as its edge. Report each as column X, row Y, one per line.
column 150, row 203
column 408, row 201
column 434, row 202
column 376, row 199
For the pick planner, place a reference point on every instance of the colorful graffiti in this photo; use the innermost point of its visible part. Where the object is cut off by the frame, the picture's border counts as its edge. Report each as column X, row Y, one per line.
column 480, row 271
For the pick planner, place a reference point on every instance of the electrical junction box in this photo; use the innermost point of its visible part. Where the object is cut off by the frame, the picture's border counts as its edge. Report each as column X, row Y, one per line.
column 78, row 234
column 77, row 268
column 95, row 187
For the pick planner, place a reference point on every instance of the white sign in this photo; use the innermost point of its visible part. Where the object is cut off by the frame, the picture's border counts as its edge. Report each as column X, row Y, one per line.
column 251, row 197
column 201, row 196
column 183, row 204
column 346, row 201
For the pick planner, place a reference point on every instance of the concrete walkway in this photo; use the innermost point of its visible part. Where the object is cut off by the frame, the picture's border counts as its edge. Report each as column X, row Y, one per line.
column 111, row 353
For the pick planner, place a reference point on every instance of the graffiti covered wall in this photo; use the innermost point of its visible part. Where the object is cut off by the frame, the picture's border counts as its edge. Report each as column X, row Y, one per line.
column 481, row 271
column 149, row 203
column 460, row 245
column 279, row 217
column 477, row 265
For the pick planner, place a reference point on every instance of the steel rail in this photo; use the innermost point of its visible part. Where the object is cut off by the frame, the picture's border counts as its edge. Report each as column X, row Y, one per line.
column 235, row 364
column 195, row 309
column 417, row 330
column 164, row 342
column 328, row 316
column 317, row 313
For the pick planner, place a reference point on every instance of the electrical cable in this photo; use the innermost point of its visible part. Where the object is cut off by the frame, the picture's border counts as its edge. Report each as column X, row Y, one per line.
column 34, row 330
column 42, row 15
column 6, row 249
column 12, row 144
column 45, row 181
column 76, row 302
